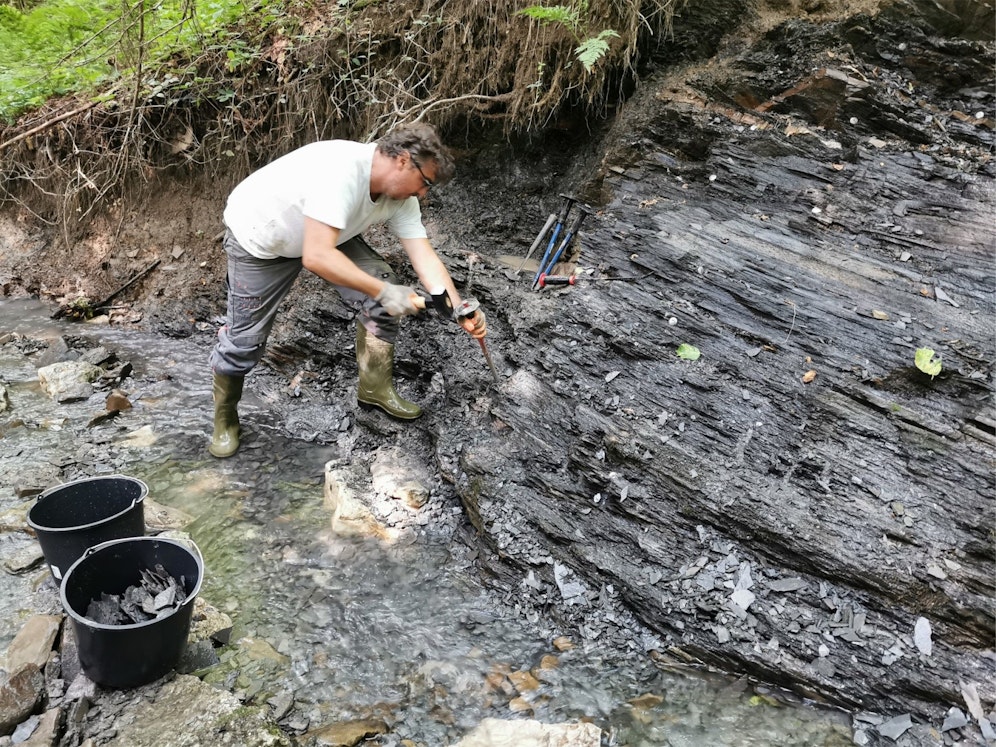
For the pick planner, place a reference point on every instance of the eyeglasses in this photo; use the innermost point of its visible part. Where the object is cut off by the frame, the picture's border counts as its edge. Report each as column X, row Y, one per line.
column 429, row 184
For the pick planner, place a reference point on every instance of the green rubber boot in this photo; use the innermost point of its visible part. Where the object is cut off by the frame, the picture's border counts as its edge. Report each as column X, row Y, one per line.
column 227, row 393
column 375, row 360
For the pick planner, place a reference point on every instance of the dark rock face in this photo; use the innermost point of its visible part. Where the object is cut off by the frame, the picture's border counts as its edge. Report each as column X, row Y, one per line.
column 791, row 504
column 800, row 504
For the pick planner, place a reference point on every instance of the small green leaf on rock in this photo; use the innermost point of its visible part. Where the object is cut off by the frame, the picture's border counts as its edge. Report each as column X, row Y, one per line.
column 926, row 362
column 690, row 352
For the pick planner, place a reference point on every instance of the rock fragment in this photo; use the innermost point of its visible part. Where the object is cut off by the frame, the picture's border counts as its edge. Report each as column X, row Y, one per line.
column 894, row 728
column 922, row 636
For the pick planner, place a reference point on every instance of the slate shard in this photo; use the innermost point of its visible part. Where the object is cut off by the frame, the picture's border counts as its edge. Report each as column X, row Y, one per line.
column 157, row 595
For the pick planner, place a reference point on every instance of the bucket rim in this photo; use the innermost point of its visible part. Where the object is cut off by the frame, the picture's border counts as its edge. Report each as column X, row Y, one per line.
column 143, row 493
column 188, row 545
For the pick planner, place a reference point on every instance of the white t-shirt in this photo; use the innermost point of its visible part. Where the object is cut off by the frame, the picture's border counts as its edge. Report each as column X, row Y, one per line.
column 328, row 181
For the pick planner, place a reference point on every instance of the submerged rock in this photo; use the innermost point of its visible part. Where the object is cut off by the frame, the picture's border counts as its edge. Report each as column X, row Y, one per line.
column 187, row 711
column 496, row 733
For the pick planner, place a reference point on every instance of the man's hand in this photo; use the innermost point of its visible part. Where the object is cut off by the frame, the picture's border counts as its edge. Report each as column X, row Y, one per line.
column 398, row 300
column 476, row 325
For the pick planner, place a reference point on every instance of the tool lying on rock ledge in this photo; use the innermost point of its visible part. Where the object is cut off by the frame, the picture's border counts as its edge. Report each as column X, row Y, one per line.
column 572, row 232
column 545, row 280
column 558, row 225
column 443, row 305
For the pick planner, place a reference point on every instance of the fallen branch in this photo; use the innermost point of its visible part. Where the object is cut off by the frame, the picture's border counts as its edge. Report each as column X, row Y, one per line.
column 61, row 312
column 45, row 125
column 106, row 302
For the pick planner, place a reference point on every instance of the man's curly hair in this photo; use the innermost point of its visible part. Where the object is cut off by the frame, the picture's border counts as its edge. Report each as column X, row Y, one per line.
column 423, row 144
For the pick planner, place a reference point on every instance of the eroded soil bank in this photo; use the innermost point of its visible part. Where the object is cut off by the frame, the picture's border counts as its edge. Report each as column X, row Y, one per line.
column 819, row 199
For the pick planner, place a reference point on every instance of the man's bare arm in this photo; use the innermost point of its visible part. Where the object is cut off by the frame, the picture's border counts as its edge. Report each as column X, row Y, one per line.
column 321, row 257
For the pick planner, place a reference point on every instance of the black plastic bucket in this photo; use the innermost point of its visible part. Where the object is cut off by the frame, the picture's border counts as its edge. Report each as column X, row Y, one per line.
column 69, row 518
column 121, row 656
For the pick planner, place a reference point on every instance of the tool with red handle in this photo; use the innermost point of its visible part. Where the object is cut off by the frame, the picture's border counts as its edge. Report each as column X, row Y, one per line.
column 566, row 242
column 545, row 280
column 561, row 220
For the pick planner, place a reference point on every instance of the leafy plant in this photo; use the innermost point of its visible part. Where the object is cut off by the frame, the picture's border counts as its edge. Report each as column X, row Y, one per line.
column 688, row 352
column 927, row 362
column 62, row 46
column 593, row 49
column 562, row 14
column 590, row 49
column 80, row 307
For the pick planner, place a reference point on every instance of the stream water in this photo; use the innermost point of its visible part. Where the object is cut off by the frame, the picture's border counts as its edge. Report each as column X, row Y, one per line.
column 354, row 627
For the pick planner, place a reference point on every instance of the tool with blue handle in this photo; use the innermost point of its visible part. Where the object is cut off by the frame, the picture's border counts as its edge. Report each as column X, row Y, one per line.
column 568, row 238
column 561, row 220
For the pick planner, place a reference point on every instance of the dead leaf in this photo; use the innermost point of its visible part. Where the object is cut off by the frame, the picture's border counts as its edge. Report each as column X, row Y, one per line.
column 524, row 681
column 808, row 376
column 880, row 315
column 647, row 700
column 548, row 662
column 796, row 130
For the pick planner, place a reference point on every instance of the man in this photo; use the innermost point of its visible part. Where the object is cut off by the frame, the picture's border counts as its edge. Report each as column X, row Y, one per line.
column 307, row 209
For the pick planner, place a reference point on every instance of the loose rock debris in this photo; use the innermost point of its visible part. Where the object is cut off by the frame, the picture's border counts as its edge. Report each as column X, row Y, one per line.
column 157, row 595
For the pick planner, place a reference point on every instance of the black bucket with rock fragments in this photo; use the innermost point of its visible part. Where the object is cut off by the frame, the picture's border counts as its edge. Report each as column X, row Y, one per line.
column 130, row 602
column 69, row 518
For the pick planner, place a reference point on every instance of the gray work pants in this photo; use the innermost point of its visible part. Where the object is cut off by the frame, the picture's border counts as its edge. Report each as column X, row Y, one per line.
column 256, row 287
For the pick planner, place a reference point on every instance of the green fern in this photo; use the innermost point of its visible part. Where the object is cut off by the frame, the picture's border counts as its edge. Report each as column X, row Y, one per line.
column 593, row 49
column 562, row 14
column 589, row 50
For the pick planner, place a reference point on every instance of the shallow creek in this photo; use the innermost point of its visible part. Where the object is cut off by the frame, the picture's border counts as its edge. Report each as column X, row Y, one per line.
column 353, row 627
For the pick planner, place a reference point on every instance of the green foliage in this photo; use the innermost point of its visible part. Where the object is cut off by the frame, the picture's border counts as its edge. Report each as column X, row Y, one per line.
column 593, row 49
column 926, row 362
column 590, row 49
column 80, row 307
column 562, row 14
column 688, row 352
column 63, row 46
